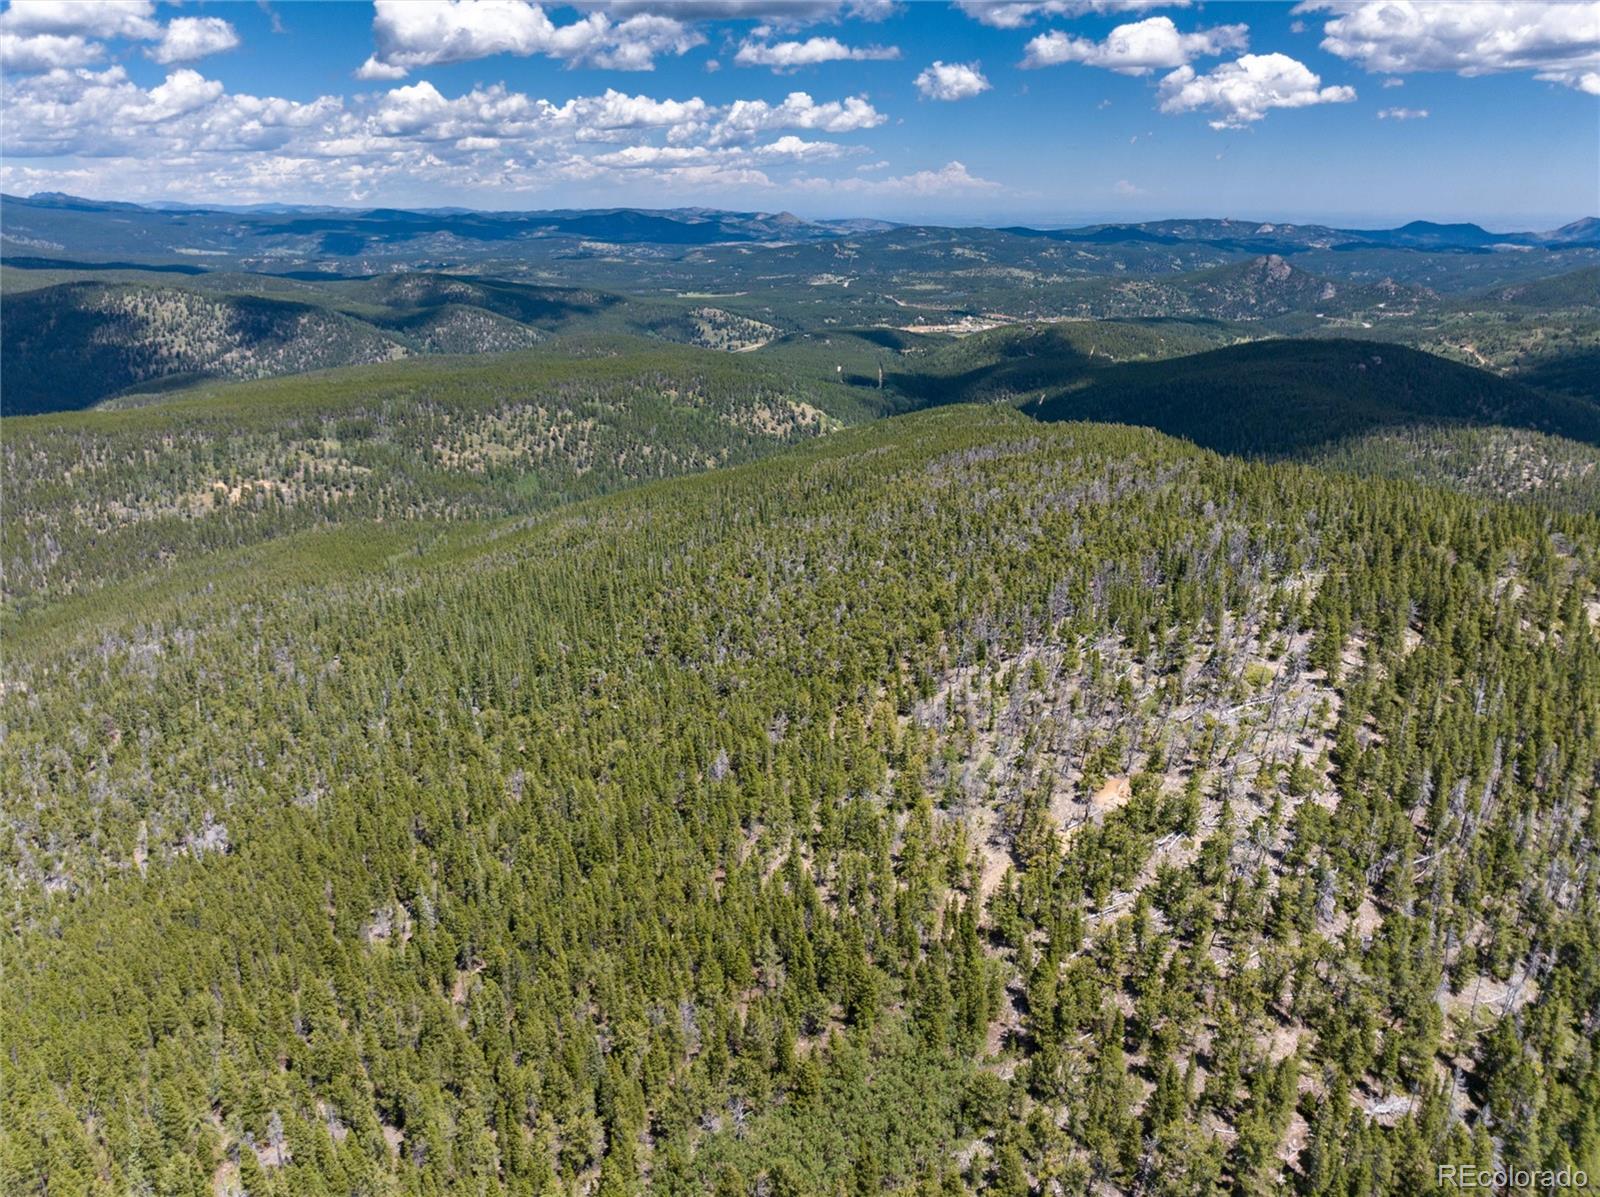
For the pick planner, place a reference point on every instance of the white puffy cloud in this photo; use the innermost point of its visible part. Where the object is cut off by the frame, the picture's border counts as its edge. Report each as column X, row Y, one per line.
column 104, row 114
column 871, row 10
column 787, row 148
column 102, row 19
column 188, row 136
column 420, row 108
column 1245, row 90
column 1014, row 14
column 416, row 33
column 633, row 44
column 373, row 69
column 182, row 91
column 634, row 156
column 1138, row 48
column 789, row 56
column 188, row 38
column 46, row 51
column 42, row 35
column 952, row 81
column 1402, row 114
column 618, row 110
column 783, row 14
column 953, row 178
column 97, row 130
column 710, row 175
column 1559, row 43
column 421, row 112
column 797, row 149
column 747, row 118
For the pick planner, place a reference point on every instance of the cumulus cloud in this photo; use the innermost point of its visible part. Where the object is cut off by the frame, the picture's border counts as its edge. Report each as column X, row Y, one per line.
column 1138, row 48
column 1402, row 114
column 1244, row 91
column 787, row 148
column 373, row 69
column 42, row 35
column 107, row 18
column 798, row 149
column 871, row 10
column 1126, row 189
column 1559, row 43
column 952, row 81
column 789, row 56
column 104, row 114
column 1014, row 14
column 188, row 133
column 188, row 38
column 786, row 14
column 635, row 156
column 46, row 51
column 747, row 118
column 183, row 91
column 953, row 178
column 417, row 33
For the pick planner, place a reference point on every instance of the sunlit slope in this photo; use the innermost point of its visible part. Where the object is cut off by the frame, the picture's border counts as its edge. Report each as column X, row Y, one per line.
column 94, row 496
column 942, row 806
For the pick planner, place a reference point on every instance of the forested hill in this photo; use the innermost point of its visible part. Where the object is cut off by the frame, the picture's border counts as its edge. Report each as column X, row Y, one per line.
column 74, row 344
column 958, row 804
column 92, row 497
column 100, row 496
column 1280, row 397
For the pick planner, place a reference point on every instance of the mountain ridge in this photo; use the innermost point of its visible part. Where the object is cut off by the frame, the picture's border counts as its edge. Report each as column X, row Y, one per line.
column 350, row 231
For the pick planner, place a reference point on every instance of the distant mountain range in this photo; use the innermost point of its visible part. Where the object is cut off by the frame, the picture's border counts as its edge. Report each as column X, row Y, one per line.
column 54, row 223
column 1266, row 237
column 65, row 223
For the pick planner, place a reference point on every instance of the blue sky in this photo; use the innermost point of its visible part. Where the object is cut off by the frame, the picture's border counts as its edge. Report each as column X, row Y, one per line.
column 1059, row 111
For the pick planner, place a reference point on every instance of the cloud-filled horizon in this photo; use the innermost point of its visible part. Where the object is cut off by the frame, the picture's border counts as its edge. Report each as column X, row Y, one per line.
column 1335, row 111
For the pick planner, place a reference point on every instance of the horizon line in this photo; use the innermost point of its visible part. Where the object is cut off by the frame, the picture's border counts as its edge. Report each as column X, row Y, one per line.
column 959, row 220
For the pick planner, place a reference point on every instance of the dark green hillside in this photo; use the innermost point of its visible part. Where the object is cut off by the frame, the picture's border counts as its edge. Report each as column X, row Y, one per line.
column 1544, row 332
column 547, row 308
column 955, row 805
column 72, row 345
column 95, row 496
column 1575, row 373
column 1284, row 397
column 890, row 369
column 67, row 347
column 1014, row 362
